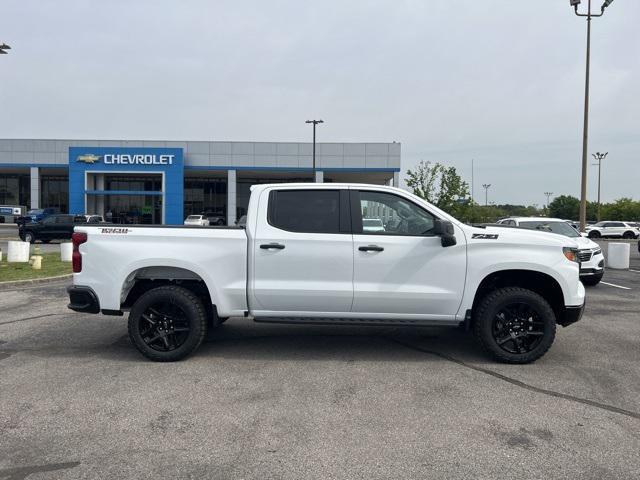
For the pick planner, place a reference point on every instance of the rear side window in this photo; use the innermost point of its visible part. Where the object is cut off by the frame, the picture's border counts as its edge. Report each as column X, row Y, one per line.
column 305, row 211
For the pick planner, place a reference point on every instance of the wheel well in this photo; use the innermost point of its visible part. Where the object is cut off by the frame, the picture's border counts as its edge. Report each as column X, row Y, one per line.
column 145, row 279
column 538, row 282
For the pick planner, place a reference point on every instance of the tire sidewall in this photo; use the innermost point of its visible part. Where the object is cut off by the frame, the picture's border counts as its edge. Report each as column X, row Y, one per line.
column 494, row 302
column 29, row 237
column 188, row 303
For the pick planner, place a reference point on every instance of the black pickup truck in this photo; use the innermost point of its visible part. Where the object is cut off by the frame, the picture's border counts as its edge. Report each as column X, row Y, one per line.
column 53, row 227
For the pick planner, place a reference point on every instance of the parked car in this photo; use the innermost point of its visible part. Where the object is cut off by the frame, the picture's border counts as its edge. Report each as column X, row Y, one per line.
column 305, row 258
column 92, row 218
column 200, row 220
column 242, row 221
column 215, row 218
column 612, row 230
column 53, row 227
column 36, row 215
column 372, row 225
column 589, row 253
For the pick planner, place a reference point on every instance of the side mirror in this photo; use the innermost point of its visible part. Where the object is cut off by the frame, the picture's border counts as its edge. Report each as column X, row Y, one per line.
column 444, row 230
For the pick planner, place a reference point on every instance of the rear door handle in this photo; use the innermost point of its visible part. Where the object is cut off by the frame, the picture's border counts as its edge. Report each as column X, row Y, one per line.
column 269, row 246
column 371, row 248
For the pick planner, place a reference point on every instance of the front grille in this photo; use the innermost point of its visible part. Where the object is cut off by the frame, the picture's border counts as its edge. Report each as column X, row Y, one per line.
column 584, row 255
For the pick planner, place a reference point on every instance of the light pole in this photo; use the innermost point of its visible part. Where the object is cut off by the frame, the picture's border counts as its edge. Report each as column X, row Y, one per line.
column 486, row 193
column 315, row 122
column 548, row 194
column 599, row 157
column 3, row 48
column 585, row 131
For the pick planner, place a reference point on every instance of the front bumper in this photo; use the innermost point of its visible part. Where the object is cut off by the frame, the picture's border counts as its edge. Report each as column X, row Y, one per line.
column 594, row 267
column 83, row 299
column 572, row 315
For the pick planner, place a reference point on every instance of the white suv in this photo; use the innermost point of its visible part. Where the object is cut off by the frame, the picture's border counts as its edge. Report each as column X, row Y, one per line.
column 589, row 254
column 613, row 229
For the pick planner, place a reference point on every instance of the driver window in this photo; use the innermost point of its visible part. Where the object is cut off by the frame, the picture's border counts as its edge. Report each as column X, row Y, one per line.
column 388, row 214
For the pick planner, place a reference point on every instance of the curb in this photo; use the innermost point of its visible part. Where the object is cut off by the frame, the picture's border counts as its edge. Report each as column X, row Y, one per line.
column 32, row 281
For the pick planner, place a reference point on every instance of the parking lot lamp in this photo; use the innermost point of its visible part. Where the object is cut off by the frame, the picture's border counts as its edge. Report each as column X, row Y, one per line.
column 486, row 193
column 315, row 122
column 548, row 194
column 3, row 48
column 599, row 157
column 585, row 131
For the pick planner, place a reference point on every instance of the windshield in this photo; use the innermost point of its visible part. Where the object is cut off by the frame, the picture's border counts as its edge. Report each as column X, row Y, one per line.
column 561, row 228
column 193, row 217
column 36, row 211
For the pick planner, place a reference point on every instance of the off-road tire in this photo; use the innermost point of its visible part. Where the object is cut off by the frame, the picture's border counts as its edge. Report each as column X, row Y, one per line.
column 490, row 306
column 194, row 311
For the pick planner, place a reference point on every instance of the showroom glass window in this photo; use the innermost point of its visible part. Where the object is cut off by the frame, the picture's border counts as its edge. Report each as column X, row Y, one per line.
column 54, row 192
column 14, row 190
column 388, row 214
column 305, row 211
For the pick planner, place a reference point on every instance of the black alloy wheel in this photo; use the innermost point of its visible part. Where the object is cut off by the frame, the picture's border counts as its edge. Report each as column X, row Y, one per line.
column 164, row 326
column 517, row 328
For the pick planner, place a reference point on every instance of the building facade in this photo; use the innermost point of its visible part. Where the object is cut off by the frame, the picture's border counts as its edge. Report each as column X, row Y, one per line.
column 160, row 182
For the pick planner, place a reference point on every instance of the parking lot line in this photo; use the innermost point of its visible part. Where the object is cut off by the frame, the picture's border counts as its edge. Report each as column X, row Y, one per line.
column 637, row 271
column 616, row 286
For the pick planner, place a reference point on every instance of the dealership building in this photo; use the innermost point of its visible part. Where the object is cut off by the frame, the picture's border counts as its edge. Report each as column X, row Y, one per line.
column 158, row 182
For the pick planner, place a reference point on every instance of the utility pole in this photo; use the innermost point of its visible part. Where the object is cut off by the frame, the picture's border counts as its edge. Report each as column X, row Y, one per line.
column 486, row 193
column 585, row 130
column 599, row 157
column 315, row 122
column 548, row 194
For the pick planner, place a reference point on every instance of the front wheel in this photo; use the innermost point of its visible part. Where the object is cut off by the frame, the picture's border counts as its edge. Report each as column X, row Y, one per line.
column 29, row 237
column 628, row 235
column 167, row 323
column 515, row 325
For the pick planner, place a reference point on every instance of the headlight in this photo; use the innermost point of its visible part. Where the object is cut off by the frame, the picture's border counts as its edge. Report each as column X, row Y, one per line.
column 597, row 251
column 570, row 253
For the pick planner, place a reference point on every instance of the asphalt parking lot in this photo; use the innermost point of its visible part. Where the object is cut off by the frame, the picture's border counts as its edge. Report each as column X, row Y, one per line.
column 291, row 402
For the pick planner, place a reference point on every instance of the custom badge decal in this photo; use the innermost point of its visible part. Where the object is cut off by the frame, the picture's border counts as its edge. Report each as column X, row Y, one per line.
column 115, row 230
column 485, row 236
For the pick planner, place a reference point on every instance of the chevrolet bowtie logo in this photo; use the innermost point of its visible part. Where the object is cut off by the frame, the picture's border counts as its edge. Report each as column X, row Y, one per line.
column 88, row 158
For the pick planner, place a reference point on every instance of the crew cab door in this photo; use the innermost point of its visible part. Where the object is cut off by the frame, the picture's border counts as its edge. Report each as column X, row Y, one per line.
column 302, row 253
column 402, row 270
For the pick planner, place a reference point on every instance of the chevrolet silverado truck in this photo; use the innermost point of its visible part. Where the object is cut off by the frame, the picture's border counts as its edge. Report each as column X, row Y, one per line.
column 305, row 257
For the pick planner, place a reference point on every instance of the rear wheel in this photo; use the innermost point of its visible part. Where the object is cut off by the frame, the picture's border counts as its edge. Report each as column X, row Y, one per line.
column 594, row 234
column 167, row 323
column 515, row 325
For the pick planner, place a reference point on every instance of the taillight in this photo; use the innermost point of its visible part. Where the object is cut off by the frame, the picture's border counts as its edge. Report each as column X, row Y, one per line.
column 78, row 238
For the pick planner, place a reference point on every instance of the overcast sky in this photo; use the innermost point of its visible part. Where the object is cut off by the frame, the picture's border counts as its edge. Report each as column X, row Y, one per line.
column 500, row 81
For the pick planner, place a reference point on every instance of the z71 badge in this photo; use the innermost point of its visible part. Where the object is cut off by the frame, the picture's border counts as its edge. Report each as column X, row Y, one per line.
column 485, row 236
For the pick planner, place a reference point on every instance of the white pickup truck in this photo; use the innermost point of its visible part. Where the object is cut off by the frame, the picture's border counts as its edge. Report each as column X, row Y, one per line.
column 304, row 257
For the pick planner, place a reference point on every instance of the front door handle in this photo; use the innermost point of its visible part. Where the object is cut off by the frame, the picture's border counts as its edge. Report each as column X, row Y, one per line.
column 371, row 248
column 269, row 246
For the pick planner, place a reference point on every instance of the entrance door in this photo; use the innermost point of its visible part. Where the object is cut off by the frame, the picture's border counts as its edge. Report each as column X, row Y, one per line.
column 303, row 253
column 400, row 268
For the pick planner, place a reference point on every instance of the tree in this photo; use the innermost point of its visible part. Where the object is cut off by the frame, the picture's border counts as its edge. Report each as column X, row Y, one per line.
column 440, row 186
column 624, row 209
column 566, row 207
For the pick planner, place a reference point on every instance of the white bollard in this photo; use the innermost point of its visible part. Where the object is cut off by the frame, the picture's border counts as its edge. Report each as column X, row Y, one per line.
column 0, row 255
column 66, row 251
column 18, row 251
column 618, row 255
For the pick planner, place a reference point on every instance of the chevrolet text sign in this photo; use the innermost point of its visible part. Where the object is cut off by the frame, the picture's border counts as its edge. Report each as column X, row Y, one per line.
column 126, row 159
